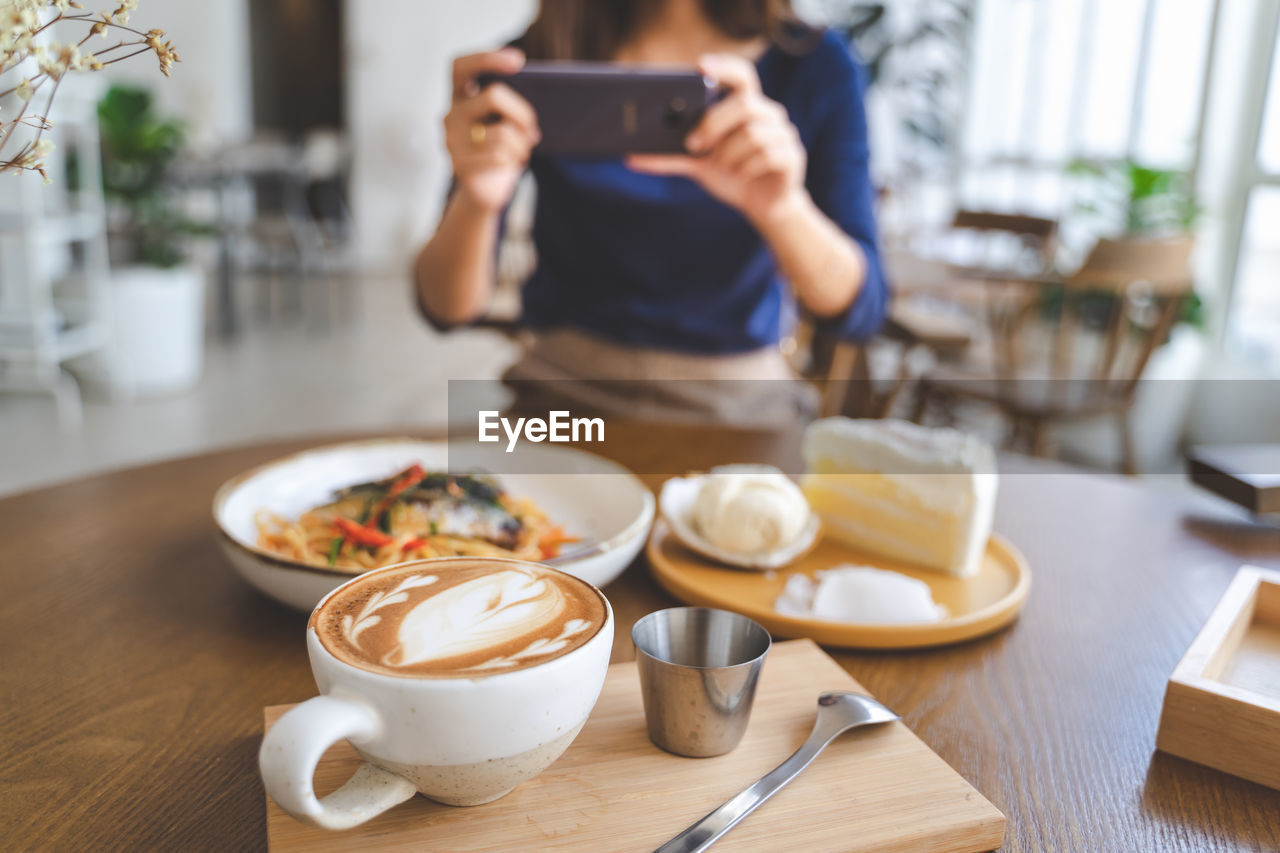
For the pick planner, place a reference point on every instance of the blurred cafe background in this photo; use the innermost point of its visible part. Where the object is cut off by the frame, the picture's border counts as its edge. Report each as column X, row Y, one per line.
column 1068, row 189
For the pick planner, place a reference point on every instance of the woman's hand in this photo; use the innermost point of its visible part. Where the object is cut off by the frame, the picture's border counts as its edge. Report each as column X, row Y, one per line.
column 746, row 152
column 489, row 132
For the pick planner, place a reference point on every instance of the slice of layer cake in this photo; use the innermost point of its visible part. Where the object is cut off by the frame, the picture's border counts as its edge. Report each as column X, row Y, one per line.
column 907, row 492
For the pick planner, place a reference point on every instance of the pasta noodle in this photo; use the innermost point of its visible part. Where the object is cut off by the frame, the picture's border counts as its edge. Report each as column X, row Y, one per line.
column 414, row 515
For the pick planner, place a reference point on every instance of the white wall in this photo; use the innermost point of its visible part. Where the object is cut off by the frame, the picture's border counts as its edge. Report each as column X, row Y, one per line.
column 398, row 58
column 210, row 87
column 209, row 90
column 397, row 53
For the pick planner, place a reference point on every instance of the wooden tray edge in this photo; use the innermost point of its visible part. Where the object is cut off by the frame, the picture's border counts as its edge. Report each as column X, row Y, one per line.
column 974, row 626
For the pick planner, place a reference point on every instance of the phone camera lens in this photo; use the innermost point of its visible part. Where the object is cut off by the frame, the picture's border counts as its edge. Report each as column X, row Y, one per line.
column 676, row 111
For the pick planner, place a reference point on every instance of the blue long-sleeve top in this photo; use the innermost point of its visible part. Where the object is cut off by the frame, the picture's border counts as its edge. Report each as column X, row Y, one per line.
column 655, row 261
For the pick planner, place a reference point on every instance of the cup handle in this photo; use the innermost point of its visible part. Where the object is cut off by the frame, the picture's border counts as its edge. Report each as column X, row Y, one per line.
column 293, row 747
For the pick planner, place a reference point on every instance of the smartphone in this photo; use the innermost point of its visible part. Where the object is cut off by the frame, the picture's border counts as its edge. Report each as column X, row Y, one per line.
column 598, row 109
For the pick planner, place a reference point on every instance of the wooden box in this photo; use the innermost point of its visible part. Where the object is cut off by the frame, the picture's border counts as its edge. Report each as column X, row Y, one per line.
column 1246, row 474
column 1222, row 705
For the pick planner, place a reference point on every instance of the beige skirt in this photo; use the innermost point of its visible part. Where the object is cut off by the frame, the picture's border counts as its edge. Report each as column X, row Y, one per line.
column 571, row 369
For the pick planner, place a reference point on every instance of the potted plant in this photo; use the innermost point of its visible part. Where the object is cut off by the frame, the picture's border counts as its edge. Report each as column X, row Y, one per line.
column 157, row 295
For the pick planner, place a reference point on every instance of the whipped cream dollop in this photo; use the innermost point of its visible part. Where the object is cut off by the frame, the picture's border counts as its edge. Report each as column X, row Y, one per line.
column 747, row 509
column 861, row 594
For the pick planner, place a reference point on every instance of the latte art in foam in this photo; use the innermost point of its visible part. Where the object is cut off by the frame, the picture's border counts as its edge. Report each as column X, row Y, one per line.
column 472, row 618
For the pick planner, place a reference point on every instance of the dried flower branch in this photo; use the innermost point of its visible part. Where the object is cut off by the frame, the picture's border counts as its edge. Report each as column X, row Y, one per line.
column 21, row 24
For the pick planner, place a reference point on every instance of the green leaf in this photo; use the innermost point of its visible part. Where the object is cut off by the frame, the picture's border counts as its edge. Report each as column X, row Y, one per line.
column 138, row 148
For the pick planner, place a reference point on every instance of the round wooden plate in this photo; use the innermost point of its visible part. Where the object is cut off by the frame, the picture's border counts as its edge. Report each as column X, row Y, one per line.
column 977, row 605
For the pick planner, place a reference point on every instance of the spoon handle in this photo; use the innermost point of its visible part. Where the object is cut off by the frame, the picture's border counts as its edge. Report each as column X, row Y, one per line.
column 705, row 832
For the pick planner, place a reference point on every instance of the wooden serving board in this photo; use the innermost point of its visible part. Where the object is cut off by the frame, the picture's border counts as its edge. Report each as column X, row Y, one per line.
column 874, row 789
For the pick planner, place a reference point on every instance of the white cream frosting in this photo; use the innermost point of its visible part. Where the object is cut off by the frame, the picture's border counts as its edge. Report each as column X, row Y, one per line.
column 948, row 470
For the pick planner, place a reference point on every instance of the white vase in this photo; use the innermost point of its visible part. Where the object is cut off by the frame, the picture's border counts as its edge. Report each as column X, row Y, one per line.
column 157, row 333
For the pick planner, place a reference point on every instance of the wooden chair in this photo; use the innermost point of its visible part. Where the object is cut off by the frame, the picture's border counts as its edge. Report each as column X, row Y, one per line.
column 841, row 371
column 1075, row 347
column 1036, row 236
column 995, row 241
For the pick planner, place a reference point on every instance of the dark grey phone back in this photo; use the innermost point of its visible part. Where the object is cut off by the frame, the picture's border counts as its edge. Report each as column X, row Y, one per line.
column 602, row 110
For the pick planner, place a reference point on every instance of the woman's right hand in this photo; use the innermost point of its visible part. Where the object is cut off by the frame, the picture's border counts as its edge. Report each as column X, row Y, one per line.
column 489, row 132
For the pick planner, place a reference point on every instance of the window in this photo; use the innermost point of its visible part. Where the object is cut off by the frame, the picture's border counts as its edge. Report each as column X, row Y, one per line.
column 1056, row 81
column 1253, row 326
column 1269, row 147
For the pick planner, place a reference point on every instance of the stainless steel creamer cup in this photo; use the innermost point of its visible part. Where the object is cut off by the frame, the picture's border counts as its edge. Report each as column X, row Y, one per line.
column 698, row 672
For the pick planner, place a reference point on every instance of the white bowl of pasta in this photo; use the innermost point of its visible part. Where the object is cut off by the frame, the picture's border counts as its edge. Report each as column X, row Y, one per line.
column 298, row 527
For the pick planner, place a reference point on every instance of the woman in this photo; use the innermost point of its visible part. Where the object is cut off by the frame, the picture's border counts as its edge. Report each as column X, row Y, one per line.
column 671, row 267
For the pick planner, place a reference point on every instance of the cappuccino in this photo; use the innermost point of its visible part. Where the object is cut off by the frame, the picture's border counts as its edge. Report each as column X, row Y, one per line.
column 456, row 678
column 459, row 618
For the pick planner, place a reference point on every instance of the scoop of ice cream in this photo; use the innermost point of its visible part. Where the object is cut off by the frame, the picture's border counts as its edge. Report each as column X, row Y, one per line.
column 748, row 509
column 859, row 594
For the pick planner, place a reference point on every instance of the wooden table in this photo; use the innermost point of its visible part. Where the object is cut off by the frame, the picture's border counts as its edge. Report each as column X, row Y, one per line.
column 136, row 665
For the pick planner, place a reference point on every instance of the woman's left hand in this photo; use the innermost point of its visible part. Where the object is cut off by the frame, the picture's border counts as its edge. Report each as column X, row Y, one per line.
column 745, row 151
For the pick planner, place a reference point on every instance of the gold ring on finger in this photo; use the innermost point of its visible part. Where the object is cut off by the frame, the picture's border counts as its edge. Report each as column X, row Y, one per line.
column 478, row 134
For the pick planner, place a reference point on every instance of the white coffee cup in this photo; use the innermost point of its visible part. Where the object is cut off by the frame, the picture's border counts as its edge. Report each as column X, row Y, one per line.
column 460, row 741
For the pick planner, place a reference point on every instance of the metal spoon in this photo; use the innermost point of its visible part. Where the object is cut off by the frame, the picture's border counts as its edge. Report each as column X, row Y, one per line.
column 837, row 713
column 585, row 548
